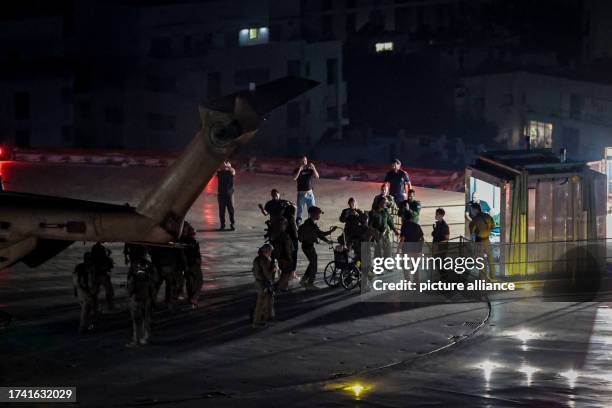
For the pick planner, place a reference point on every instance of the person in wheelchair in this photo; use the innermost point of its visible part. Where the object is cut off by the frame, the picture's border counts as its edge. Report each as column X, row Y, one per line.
column 341, row 253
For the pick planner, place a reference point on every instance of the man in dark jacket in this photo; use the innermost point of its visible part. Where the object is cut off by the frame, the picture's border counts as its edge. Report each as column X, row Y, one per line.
column 441, row 232
column 225, row 193
column 310, row 234
column 351, row 217
column 276, row 209
column 441, row 235
column 411, row 231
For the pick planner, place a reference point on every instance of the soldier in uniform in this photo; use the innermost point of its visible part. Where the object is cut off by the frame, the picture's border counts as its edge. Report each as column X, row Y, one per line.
column 310, row 234
column 141, row 292
column 283, row 254
column 193, row 263
column 84, row 279
column 168, row 266
column 381, row 226
column 410, row 209
column 133, row 252
column 386, row 198
column 264, row 271
column 481, row 226
column 104, row 264
column 440, row 235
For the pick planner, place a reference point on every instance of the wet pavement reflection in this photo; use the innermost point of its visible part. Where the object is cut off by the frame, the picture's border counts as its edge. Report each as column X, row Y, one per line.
column 329, row 350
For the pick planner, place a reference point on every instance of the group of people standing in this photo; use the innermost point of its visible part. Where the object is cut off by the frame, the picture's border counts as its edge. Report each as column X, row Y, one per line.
column 276, row 260
column 89, row 277
column 397, row 200
column 178, row 268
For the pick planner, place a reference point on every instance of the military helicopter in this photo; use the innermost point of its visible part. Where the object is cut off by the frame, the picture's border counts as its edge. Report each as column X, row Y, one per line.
column 35, row 228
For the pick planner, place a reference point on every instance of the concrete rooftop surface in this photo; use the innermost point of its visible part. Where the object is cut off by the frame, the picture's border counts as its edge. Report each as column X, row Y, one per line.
column 328, row 349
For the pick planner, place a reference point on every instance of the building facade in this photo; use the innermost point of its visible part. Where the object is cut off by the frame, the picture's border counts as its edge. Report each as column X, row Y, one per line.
column 541, row 111
column 137, row 83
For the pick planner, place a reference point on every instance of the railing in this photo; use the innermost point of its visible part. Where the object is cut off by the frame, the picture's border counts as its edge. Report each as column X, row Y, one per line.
column 397, row 220
column 518, row 261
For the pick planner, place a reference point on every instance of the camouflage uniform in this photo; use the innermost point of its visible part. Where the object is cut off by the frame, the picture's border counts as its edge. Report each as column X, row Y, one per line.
column 141, row 290
column 263, row 272
column 389, row 203
column 381, row 225
column 283, row 253
column 168, row 263
column 410, row 210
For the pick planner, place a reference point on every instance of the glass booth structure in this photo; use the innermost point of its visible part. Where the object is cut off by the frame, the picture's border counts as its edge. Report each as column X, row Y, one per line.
column 540, row 202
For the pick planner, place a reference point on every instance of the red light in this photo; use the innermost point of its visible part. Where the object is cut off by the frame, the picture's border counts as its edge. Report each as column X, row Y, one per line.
column 1, row 151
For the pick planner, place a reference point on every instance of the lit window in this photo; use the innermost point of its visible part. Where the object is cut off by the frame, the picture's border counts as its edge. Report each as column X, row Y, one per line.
column 384, row 47
column 540, row 134
column 253, row 36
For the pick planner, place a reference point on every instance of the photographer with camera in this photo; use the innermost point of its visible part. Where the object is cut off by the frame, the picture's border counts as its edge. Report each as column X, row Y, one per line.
column 305, row 175
column 225, row 194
